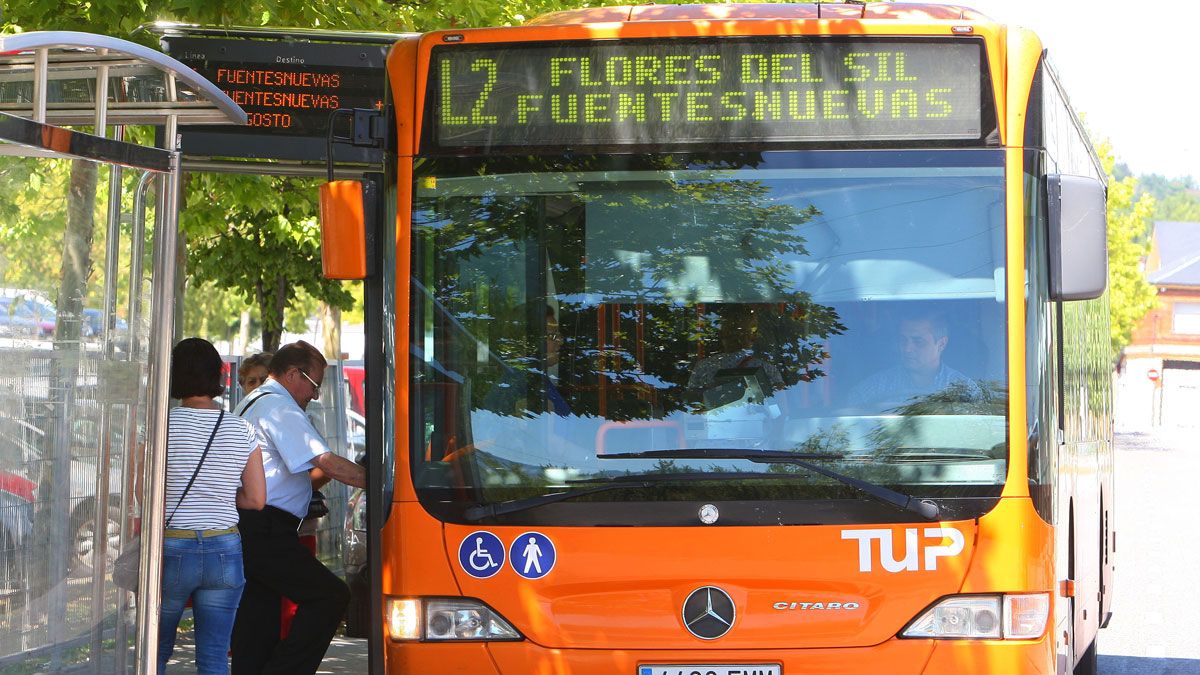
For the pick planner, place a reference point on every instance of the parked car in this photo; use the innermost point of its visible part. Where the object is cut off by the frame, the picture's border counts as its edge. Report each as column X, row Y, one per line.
column 30, row 305
column 17, row 495
column 23, row 461
column 356, row 376
column 16, row 319
column 93, row 324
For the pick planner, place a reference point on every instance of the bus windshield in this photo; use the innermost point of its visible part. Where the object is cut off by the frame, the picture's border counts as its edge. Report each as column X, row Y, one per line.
column 572, row 312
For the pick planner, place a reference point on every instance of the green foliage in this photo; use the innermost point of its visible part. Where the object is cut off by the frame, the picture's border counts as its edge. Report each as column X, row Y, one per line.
column 121, row 17
column 258, row 236
column 1129, row 220
column 32, row 221
column 1160, row 186
column 1175, row 198
column 426, row 16
column 215, row 312
column 1181, row 206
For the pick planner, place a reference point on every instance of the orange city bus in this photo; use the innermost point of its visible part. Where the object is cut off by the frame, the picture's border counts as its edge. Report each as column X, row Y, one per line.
column 740, row 339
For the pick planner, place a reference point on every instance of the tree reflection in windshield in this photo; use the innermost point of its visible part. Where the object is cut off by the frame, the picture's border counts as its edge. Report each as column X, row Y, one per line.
column 616, row 289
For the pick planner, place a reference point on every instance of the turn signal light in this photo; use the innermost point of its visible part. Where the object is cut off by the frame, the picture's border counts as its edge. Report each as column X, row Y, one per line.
column 445, row 619
column 1025, row 615
column 404, row 618
column 984, row 617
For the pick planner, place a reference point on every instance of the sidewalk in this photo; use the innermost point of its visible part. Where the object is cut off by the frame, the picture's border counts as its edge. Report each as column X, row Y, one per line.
column 345, row 655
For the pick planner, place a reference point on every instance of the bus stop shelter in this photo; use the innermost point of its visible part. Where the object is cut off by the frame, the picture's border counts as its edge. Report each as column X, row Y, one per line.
column 88, row 250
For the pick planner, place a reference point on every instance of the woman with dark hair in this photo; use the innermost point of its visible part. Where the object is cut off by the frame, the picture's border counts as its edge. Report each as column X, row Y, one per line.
column 214, row 467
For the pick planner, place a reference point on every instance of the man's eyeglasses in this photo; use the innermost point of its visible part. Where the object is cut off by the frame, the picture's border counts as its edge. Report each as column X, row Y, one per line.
column 316, row 387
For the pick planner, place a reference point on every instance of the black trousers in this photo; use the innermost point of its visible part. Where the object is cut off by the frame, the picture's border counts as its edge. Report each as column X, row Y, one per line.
column 277, row 565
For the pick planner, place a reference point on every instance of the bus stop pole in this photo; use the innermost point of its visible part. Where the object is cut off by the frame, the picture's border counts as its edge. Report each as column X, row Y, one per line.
column 133, row 349
column 161, row 335
column 112, row 250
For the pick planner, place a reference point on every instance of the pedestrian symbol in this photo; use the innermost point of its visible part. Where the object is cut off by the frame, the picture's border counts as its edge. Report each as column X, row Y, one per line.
column 532, row 555
column 481, row 554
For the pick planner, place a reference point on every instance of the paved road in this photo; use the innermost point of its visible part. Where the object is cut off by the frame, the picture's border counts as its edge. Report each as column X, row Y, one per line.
column 1155, row 628
column 344, row 656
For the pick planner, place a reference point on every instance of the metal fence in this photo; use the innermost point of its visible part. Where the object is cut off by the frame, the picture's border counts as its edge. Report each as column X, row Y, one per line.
column 69, row 449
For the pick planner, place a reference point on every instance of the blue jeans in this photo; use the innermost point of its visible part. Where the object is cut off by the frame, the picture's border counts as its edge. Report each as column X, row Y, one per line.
column 209, row 571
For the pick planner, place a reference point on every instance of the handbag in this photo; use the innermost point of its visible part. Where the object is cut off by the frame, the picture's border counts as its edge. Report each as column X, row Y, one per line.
column 127, row 566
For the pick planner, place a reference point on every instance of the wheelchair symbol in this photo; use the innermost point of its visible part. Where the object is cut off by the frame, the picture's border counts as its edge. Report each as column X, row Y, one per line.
column 481, row 554
column 481, row 558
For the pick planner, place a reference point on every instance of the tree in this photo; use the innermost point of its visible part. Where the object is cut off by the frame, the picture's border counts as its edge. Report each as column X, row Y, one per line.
column 1175, row 198
column 262, row 243
column 32, row 221
column 1129, row 220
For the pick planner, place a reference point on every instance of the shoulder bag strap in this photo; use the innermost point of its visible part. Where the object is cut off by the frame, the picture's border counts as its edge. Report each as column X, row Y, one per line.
column 207, row 447
column 251, row 402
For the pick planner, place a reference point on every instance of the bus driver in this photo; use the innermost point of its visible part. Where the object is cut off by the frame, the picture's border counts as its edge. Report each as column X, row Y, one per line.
column 920, row 373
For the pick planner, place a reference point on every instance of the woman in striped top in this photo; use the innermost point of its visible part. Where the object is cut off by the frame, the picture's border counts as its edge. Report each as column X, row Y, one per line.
column 214, row 467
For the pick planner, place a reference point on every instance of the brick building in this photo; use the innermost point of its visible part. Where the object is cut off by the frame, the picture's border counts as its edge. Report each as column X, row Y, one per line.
column 1159, row 371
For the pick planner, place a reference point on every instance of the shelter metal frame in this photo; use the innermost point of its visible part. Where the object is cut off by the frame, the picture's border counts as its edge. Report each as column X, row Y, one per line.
column 52, row 79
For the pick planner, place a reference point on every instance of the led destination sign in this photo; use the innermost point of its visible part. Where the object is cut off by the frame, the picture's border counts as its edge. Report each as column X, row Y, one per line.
column 288, row 89
column 703, row 92
column 293, row 102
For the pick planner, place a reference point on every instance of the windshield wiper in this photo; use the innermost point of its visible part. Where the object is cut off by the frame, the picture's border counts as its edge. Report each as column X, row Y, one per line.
column 922, row 507
column 476, row 513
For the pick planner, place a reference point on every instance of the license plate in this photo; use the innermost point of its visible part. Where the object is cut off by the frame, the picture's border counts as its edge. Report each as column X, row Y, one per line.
column 711, row 669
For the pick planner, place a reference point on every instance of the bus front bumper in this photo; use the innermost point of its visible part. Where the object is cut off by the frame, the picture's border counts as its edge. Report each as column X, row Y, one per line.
column 895, row 657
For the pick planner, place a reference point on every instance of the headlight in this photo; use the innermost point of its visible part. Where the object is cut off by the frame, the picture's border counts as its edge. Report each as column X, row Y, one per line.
column 965, row 617
column 984, row 617
column 440, row 619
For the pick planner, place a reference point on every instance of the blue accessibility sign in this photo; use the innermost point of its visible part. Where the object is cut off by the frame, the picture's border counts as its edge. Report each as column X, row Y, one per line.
column 532, row 555
column 481, row 554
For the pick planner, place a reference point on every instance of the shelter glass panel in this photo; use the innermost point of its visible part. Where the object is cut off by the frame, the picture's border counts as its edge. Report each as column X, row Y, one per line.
column 74, row 324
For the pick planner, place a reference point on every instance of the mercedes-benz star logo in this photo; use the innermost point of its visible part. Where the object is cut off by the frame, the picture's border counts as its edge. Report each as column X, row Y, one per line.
column 708, row 613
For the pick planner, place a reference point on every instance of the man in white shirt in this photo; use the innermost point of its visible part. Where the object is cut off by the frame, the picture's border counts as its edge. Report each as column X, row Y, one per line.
column 295, row 459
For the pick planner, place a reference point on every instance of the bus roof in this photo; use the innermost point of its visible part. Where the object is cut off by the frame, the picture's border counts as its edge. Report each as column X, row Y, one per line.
column 807, row 10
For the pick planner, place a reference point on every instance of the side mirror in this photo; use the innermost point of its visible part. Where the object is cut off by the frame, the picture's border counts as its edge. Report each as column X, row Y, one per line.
column 1077, row 213
column 343, row 230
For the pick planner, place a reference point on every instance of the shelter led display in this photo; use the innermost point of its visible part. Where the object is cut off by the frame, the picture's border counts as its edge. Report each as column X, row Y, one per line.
column 288, row 90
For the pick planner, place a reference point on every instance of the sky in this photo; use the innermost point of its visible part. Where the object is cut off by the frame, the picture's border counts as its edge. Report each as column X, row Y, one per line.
column 1130, row 69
